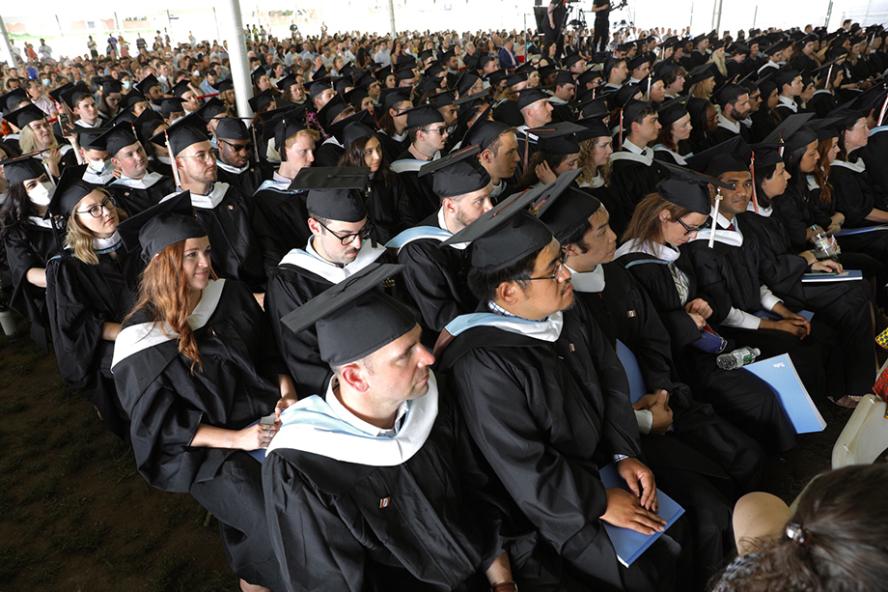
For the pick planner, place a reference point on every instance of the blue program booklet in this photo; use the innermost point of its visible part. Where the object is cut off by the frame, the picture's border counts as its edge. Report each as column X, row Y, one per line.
column 629, row 362
column 849, row 275
column 861, row 230
column 780, row 374
column 628, row 544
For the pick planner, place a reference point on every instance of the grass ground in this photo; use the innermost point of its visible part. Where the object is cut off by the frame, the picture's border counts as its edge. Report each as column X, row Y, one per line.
column 75, row 515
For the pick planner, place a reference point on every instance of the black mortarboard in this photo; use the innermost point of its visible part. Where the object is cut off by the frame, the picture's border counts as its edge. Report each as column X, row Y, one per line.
column 223, row 85
column 20, row 169
column 75, row 94
column 785, row 76
column 211, row 109
column 170, row 105
column 354, row 131
column 456, row 174
column 355, row 97
column 285, row 126
column 352, row 318
column 530, row 96
column 465, row 82
column 478, row 96
column 509, row 113
column 147, row 83
column 334, row 193
column 57, row 92
column 558, row 138
column 148, row 121
column 495, row 77
column 232, row 128
column 828, row 127
column 701, row 73
column 110, row 85
column 132, row 98
column 422, row 116
column 91, row 138
column 721, row 158
column 117, row 137
column 392, row 96
column 671, row 111
column 787, row 127
column 286, row 82
column 569, row 214
column 638, row 61
column 258, row 73
column 572, row 59
column 406, row 73
column 588, row 76
column 331, row 111
column 564, row 77
column 25, row 115
column 187, row 131
column 69, row 190
column 11, row 100
column 686, row 188
column 442, row 99
column 778, row 46
column 484, row 132
column 161, row 225
column 261, row 101
column 320, row 85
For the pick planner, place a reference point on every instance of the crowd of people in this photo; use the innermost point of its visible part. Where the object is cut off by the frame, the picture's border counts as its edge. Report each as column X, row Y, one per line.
column 373, row 327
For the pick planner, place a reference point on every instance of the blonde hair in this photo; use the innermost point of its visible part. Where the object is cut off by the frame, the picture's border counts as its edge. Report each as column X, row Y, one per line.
column 79, row 238
column 587, row 163
column 28, row 141
column 313, row 134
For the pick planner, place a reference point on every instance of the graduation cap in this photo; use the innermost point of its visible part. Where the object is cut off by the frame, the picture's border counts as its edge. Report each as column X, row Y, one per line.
column 558, row 138
column 508, row 233
column 332, row 110
column 286, row 126
column 338, row 128
column 57, row 93
column 287, row 81
column 564, row 77
column 572, row 59
column 508, row 112
column 319, row 85
column 22, row 168
column 258, row 73
column 25, row 115
column 456, row 174
column 187, row 131
column 422, row 116
column 11, row 100
column 478, row 96
column 721, row 158
column 392, row 96
column 110, row 86
column 75, row 94
column 778, row 46
column 466, row 81
column 260, row 102
column 232, row 128
column 69, row 190
column 91, row 138
column 442, row 99
column 530, row 96
column 787, row 127
column 405, row 73
column 686, row 188
column 354, row 131
column 638, row 61
column 146, row 84
column 132, row 98
column 223, row 85
column 170, row 105
column 148, row 121
column 672, row 110
column 340, row 84
column 495, row 77
column 334, row 193
column 118, row 137
column 355, row 97
column 588, row 76
column 352, row 318
column 211, row 109
column 701, row 73
column 125, row 116
column 785, row 76
column 161, row 225
column 568, row 216
column 484, row 132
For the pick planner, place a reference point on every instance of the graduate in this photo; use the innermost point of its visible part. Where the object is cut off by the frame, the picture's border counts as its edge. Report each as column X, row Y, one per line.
column 434, row 274
column 221, row 209
column 36, row 136
column 544, row 424
column 136, row 189
column 633, row 171
column 281, row 220
column 30, row 240
column 596, row 147
column 672, row 143
column 498, row 154
column 94, row 154
column 372, row 482
column 339, row 247
column 195, row 371
column 733, row 101
column 90, row 287
column 661, row 224
column 428, row 133
column 234, row 148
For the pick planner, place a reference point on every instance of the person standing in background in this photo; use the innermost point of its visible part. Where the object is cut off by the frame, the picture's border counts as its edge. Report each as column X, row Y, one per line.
column 601, row 32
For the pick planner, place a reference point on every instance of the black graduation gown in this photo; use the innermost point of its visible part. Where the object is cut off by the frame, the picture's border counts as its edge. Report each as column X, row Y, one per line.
column 328, row 154
column 854, row 195
column 382, row 205
column 330, row 531
column 562, row 112
column 741, row 398
column 875, row 155
column 80, row 298
column 134, row 200
column 631, row 181
column 764, row 121
column 246, row 182
column 392, row 147
column 166, row 403
column 156, row 166
column 545, row 427
column 229, row 227
column 435, row 278
column 280, row 223
column 822, row 103
column 28, row 245
column 417, row 201
column 620, row 212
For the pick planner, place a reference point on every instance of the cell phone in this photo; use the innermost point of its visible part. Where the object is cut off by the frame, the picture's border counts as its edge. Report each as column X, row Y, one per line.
column 65, row 124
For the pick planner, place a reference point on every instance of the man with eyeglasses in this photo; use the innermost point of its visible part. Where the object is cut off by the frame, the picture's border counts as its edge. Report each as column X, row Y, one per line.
column 427, row 132
column 339, row 247
column 220, row 208
column 546, row 402
column 235, row 147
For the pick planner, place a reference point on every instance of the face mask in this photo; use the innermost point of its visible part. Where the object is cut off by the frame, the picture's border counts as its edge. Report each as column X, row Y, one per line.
column 39, row 195
column 127, row 84
column 98, row 166
column 45, row 81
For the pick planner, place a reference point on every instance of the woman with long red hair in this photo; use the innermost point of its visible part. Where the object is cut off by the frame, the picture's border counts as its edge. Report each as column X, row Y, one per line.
column 201, row 383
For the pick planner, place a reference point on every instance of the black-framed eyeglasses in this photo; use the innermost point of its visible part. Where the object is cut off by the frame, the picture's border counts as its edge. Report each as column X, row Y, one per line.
column 347, row 239
column 95, row 210
column 437, row 130
column 559, row 266
column 238, row 147
column 687, row 228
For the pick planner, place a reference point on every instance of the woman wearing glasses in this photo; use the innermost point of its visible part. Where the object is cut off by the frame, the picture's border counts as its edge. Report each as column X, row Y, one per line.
column 663, row 222
column 89, row 289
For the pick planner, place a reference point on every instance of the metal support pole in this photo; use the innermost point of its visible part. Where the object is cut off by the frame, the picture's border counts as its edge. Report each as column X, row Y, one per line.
column 392, row 18
column 718, row 20
column 828, row 14
column 5, row 47
column 232, row 32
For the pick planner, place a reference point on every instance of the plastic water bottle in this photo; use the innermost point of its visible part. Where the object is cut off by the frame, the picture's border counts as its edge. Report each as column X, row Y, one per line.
column 738, row 358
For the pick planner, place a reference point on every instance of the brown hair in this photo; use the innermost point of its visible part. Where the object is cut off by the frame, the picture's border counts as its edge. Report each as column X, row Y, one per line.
column 644, row 226
column 164, row 291
column 821, row 172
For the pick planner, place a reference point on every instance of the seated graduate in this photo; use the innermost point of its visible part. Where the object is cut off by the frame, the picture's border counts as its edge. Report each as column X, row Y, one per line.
column 394, row 103
column 498, row 155
column 536, row 111
column 371, row 483
column 672, row 143
column 428, row 134
column 557, row 152
column 89, row 289
column 195, row 371
column 281, row 222
column 544, row 424
column 36, row 136
column 633, row 172
column 434, row 274
column 875, row 153
column 712, row 462
column 234, row 148
column 136, row 189
column 333, row 118
column 363, row 148
column 29, row 239
column 94, row 153
column 663, row 222
column 340, row 246
column 733, row 99
column 224, row 212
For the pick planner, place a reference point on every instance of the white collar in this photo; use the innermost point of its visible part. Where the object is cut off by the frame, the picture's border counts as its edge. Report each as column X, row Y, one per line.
column 858, row 166
column 443, row 226
column 41, row 222
column 106, row 244
column 545, row 330
column 595, row 182
column 209, row 202
column 231, row 169
column 94, row 179
column 811, row 181
column 135, row 338
column 314, row 425
column 347, row 416
column 731, row 126
column 149, row 180
column 82, row 123
column 663, row 252
column 309, row 260
column 587, row 281
column 498, row 189
column 733, row 238
column 679, row 159
column 164, row 159
column 764, row 211
column 789, row 103
column 334, row 141
column 646, row 157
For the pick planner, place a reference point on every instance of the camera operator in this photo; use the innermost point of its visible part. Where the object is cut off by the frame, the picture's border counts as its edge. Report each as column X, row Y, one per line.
column 556, row 15
column 602, row 9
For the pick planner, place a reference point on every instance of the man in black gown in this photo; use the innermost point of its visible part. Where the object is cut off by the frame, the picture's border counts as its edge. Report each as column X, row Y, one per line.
column 136, row 189
column 234, row 146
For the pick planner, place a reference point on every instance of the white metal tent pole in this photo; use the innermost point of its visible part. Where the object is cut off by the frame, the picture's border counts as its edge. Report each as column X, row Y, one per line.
column 392, row 18
column 232, row 32
column 718, row 20
column 5, row 47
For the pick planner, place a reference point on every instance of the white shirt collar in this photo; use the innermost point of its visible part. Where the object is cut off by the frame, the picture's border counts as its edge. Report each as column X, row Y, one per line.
column 627, row 145
column 587, row 281
column 733, row 126
column 663, row 252
column 353, row 420
column 443, row 226
column 789, row 103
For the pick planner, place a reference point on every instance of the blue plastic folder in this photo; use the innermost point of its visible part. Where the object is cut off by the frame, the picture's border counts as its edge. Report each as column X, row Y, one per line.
column 849, row 275
column 628, row 544
column 781, row 375
column 629, row 362
column 862, row 230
